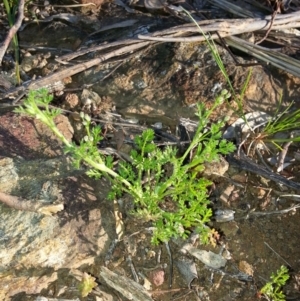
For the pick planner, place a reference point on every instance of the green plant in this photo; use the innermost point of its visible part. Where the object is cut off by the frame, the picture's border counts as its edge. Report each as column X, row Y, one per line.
column 37, row 105
column 11, row 7
column 272, row 290
column 286, row 121
column 170, row 193
column 284, row 128
column 166, row 188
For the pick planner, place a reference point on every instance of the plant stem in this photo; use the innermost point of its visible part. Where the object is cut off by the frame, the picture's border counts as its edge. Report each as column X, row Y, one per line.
column 100, row 166
column 104, row 168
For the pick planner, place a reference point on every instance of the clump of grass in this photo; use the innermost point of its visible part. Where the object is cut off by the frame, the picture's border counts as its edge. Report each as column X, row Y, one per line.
column 279, row 131
column 11, row 8
column 175, row 201
column 285, row 122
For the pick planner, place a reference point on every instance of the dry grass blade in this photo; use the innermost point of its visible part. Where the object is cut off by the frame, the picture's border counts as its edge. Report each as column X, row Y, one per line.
column 269, row 56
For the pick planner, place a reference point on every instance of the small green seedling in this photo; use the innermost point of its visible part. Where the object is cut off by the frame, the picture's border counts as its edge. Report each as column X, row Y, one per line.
column 166, row 189
column 272, row 290
column 279, row 131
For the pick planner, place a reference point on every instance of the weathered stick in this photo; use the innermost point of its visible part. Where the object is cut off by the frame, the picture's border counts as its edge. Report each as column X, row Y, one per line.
column 26, row 205
column 125, row 286
column 246, row 164
column 226, row 27
column 52, row 81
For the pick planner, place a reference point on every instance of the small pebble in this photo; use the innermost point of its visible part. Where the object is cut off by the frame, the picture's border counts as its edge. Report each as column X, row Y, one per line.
column 157, row 277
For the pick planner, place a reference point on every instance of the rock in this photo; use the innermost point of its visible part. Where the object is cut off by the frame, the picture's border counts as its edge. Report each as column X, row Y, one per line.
column 157, row 277
column 31, row 243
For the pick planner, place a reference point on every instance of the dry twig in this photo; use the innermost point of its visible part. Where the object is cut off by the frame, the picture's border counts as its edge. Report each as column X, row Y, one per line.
column 271, row 24
column 26, row 205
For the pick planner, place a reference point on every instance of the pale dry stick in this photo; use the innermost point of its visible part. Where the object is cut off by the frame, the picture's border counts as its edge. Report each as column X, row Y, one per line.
column 13, row 30
column 41, row 298
column 132, row 268
column 26, row 205
column 70, row 5
column 185, row 296
column 125, row 286
column 33, row 48
column 283, row 155
column 83, row 66
column 171, row 263
column 264, row 54
column 126, row 23
column 283, row 211
column 221, row 33
column 243, row 12
column 78, row 53
column 290, row 195
column 231, row 27
column 277, row 254
column 120, row 228
column 231, row 24
column 51, row 80
column 113, row 70
column 243, row 142
column 294, row 197
column 167, row 291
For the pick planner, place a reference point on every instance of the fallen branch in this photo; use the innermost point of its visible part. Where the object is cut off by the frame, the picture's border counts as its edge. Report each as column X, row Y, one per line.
column 26, row 205
column 245, row 163
column 261, row 213
column 52, row 81
column 225, row 28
